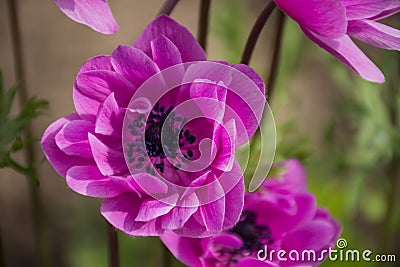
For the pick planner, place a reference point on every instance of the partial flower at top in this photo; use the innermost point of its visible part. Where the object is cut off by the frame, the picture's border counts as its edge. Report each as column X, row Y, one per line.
column 132, row 140
column 331, row 23
column 281, row 216
column 94, row 13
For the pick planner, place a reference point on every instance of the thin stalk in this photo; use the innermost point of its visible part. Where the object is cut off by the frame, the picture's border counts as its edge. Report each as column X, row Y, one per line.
column 2, row 259
column 165, row 256
column 113, row 246
column 29, row 152
column 393, row 169
column 273, row 74
column 167, row 7
column 203, row 22
column 256, row 30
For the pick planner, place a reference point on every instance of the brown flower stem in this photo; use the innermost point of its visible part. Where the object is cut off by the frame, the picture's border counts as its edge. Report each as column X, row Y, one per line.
column 256, row 30
column 2, row 259
column 203, row 22
column 113, row 246
column 29, row 152
column 167, row 7
column 273, row 74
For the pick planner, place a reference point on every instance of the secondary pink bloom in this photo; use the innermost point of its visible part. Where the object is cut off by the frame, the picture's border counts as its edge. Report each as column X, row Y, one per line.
column 103, row 155
column 94, row 13
column 282, row 215
column 331, row 23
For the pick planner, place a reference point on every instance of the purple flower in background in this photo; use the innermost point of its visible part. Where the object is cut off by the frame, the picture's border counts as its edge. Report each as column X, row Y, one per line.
column 331, row 23
column 94, row 13
column 87, row 147
column 282, row 215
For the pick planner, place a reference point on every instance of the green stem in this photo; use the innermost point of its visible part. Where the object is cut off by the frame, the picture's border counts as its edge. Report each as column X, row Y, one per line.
column 37, row 207
column 273, row 74
column 255, row 32
column 393, row 169
column 203, row 22
column 167, row 7
column 113, row 246
column 165, row 255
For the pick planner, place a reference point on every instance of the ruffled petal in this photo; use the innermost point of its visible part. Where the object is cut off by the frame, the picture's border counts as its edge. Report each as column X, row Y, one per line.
column 183, row 39
column 361, row 9
column 60, row 161
column 133, row 64
column 326, row 18
column 346, row 51
column 94, row 13
column 271, row 213
column 121, row 212
column 293, row 180
column 375, row 33
column 72, row 139
column 99, row 84
column 178, row 216
column 187, row 250
column 110, row 119
column 165, row 53
column 109, row 161
column 153, row 208
column 234, row 200
column 88, row 181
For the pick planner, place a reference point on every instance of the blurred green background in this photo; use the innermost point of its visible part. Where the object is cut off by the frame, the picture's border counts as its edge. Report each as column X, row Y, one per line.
column 345, row 130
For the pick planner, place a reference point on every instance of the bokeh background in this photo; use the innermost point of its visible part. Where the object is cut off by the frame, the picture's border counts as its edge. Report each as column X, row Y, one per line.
column 345, row 130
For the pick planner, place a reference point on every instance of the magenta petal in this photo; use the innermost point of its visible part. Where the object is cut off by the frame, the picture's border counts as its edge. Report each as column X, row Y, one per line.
column 60, row 161
column 346, row 51
column 150, row 184
column 153, row 208
column 314, row 235
column 94, row 13
column 110, row 119
column 361, row 9
column 375, row 34
column 88, row 181
column 109, row 161
column 293, row 180
column 225, row 139
column 165, row 53
column 101, row 62
column 99, row 84
column 213, row 108
column 251, row 262
column 234, row 201
column 121, row 212
column 208, row 212
column 133, row 64
column 278, row 220
column 392, row 9
column 182, row 38
column 248, row 109
column 326, row 18
column 178, row 216
column 187, row 250
column 72, row 139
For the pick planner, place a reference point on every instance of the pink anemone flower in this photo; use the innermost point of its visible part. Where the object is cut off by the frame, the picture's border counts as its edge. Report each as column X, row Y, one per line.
column 282, row 215
column 331, row 23
column 121, row 146
column 94, row 13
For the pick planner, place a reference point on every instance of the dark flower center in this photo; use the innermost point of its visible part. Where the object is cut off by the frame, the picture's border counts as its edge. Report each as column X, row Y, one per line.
column 254, row 236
